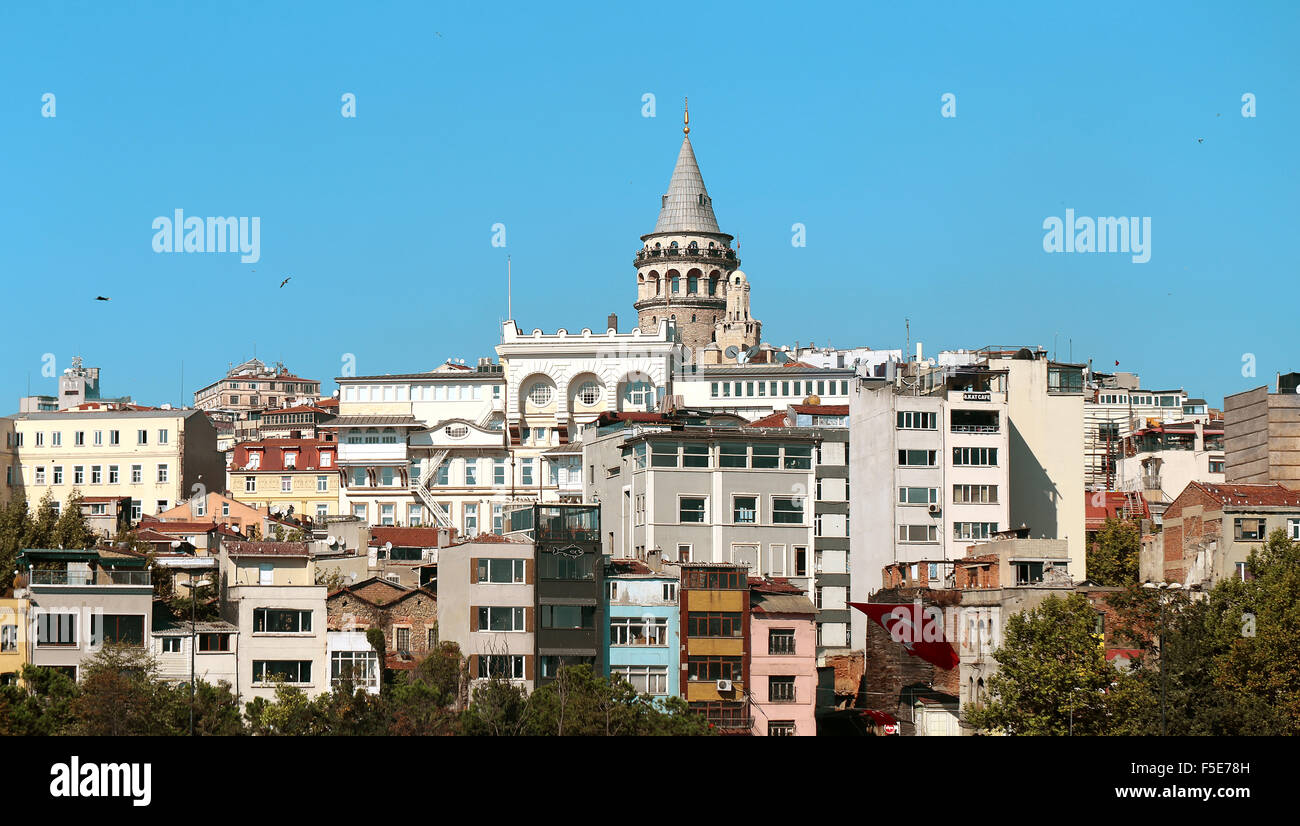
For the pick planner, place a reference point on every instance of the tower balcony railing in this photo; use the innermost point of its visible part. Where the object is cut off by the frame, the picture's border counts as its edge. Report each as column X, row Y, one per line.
column 715, row 254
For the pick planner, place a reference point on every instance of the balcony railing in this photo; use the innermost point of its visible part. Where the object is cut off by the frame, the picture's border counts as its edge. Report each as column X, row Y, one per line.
column 696, row 253
column 40, row 577
column 975, row 428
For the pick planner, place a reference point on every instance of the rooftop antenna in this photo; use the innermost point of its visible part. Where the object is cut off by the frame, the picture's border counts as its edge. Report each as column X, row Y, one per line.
column 510, row 313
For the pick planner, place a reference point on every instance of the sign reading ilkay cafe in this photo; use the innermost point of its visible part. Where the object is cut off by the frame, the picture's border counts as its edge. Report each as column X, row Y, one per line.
column 984, row 396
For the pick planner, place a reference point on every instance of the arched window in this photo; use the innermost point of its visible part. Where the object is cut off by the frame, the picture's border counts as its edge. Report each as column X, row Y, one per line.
column 540, row 394
column 389, row 436
column 693, row 282
column 588, row 393
column 372, row 436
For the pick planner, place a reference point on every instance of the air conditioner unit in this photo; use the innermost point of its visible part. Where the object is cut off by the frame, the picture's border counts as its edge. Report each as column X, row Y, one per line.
column 724, row 685
column 934, row 509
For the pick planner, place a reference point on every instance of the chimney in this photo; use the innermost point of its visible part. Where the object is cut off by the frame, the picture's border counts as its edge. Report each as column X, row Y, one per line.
column 612, row 323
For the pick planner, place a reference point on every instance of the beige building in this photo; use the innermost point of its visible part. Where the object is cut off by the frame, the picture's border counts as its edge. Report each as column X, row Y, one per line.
column 269, row 593
column 156, row 457
column 9, row 466
column 1261, row 436
column 249, row 389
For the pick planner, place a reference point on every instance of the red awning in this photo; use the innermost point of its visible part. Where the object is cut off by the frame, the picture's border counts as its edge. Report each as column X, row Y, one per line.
column 885, row 723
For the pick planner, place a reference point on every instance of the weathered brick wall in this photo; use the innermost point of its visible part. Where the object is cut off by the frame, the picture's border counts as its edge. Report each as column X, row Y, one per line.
column 889, row 669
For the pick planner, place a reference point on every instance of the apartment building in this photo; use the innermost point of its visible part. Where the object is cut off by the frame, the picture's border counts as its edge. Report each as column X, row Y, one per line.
column 78, row 385
column 932, row 472
column 643, row 634
column 1160, row 461
column 757, row 390
column 829, row 423
column 1209, row 531
column 426, row 448
column 251, row 388
column 9, row 463
column 488, row 606
column 298, row 422
column 215, row 654
column 221, row 510
column 1261, row 432
column 684, row 493
column 80, row 600
column 269, row 591
column 1114, row 408
column 716, row 634
column 570, row 588
column 286, row 477
column 783, row 660
column 14, row 625
column 156, row 457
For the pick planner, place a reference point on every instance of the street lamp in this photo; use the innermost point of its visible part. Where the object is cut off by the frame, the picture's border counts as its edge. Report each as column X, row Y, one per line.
column 1162, row 597
column 190, row 563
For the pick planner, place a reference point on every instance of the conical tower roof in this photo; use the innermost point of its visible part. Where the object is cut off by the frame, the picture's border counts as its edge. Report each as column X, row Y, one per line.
column 687, row 206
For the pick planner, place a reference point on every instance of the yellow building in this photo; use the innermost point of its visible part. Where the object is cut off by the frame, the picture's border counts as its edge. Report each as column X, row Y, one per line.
column 13, row 638
column 157, row 457
column 278, row 474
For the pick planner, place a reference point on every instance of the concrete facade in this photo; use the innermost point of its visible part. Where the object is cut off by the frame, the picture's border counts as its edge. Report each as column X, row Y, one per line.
column 1261, row 437
column 643, row 631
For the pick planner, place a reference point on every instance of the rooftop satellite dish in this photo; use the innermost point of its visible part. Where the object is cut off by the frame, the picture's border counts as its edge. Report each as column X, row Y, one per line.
column 331, row 541
column 388, row 546
column 176, row 543
column 782, row 358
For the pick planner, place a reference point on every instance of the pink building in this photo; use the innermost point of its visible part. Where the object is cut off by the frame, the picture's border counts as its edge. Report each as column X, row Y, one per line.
column 783, row 659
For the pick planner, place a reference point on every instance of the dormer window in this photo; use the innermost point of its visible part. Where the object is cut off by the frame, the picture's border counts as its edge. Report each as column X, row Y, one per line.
column 290, row 460
column 254, row 460
column 701, row 198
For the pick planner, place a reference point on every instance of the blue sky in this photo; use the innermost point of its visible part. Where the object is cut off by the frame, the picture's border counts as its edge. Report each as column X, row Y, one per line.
column 531, row 115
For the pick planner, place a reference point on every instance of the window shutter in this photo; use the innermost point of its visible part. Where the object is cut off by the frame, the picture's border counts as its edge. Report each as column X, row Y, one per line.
column 473, row 618
column 473, row 666
column 473, row 570
column 528, row 618
column 530, row 571
column 528, row 663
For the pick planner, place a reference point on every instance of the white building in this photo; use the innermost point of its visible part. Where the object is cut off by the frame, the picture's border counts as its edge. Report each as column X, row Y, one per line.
column 930, row 475
column 756, row 390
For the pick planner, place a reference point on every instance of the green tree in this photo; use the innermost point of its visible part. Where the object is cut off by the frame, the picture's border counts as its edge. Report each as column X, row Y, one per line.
column 216, row 709
column 41, row 706
column 120, row 694
column 40, row 528
column 14, row 527
column 1113, row 554
column 1052, row 675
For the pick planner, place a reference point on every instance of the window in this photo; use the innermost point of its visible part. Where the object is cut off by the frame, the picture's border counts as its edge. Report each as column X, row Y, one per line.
column 780, row 641
column 281, row 621
column 137, row 474
column 501, row 570
column 731, row 454
column 714, row 580
column 744, row 510
column 79, row 438
column 974, row 530
column 56, row 439
column 322, row 483
column 112, row 474
column 58, row 475
column 99, row 438
column 289, row 671
column 502, row 666
column 8, row 638
column 56, row 629
column 40, row 475
column 798, row 457
column 692, row 509
column 975, row 494
column 539, row 394
column 638, row 631
column 162, row 436
column 568, row 616
column 114, row 437
column 40, row 440
column 323, row 510
column 766, row 457
column 136, row 510
column 670, row 588
column 250, row 484
column 917, row 458
column 162, row 473
column 78, row 474
column 588, row 393
column 225, row 509
column 917, row 420
column 471, row 472
column 171, row 645
column 96, row 474
column 142, row 437
column 1216, row 465
column 663, row 454
column 359, row 668
column 386, row 476
column 526, row 472
column 387, row 513
column 918, row 533
column 402, row 640
column 800, row 560
column 645, row 679
column 979, row 456
column 499, row 472
column 286, row 484
column 714, row 624
column 780, row 689
column 787, row 510
column 713, row 668
column 471, row 518
column 214, row 642
column 498, row 519
column 780, row 728
column 918, row 496
column 695, row 455
column 492, row 618
column 1248, row 529
column 1293, row 528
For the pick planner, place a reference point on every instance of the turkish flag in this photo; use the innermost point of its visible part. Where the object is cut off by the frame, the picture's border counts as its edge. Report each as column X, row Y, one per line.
column 922, row 636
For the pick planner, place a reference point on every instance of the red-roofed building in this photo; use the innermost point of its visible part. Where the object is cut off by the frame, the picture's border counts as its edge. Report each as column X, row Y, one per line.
column 287, row 477
column 1210, row 530
column 251, row 388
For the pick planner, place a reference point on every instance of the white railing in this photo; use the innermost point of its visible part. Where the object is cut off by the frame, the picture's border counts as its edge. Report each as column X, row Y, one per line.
column 421, row 488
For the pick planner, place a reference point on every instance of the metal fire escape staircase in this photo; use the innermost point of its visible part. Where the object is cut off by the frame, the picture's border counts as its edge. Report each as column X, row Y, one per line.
column 1133, row 504
column 421, row 488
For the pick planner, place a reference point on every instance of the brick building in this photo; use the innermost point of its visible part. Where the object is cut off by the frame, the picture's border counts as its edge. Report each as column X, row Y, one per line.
column 407, row 616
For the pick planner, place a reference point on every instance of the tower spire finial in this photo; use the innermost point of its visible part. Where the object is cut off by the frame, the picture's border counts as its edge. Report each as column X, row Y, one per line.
column 686, row 116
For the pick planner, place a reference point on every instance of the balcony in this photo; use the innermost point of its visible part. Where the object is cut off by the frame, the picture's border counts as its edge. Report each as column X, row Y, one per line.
column 720, row 255
column 87, row 578
column 975, row 428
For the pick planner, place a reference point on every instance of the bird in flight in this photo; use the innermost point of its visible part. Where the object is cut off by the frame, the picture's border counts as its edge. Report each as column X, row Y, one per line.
column 1200, row 140
column 285, row 281
column 102, row 298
